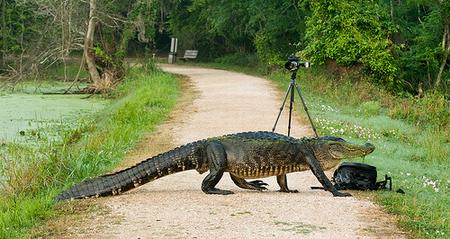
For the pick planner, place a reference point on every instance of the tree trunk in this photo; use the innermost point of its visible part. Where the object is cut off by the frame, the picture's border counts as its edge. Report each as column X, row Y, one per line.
column 441, row 69
column 445, row 48
column 89, row 54
column 3, row 41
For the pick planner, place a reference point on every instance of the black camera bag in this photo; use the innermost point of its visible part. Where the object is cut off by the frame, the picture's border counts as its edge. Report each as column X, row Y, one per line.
column 358, row 176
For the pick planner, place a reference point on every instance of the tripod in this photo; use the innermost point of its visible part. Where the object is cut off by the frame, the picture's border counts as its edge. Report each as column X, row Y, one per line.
column 293, row 85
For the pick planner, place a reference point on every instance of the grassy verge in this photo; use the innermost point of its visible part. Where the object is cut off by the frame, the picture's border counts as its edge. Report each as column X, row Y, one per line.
column 34, row 175
column 411, row 136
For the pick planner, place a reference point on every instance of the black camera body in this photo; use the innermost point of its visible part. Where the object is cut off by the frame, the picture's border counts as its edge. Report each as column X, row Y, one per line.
column 294, row 63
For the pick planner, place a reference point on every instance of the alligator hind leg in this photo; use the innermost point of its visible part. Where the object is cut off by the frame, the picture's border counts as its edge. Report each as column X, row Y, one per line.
column 282, row 181
column 216, row 163
column 252, row 185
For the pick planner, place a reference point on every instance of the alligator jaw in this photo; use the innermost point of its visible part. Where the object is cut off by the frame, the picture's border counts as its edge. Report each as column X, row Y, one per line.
column 369, row 148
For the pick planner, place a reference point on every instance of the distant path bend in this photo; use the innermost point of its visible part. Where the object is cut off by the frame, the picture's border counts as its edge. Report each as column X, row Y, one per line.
column 175, row 207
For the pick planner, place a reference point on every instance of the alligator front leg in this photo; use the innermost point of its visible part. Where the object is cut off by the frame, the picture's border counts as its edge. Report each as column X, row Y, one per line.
column 216, row 163
column 282, row 181
column 252, row 185
column 323, row 179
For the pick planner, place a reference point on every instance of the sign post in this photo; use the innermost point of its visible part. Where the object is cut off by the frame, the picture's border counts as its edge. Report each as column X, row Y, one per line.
column 173, row 50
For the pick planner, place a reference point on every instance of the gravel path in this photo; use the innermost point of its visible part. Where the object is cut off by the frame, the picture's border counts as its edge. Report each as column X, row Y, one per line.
column 175, row 207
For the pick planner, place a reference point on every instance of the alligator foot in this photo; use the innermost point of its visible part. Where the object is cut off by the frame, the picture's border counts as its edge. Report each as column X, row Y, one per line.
column 252, row 185
column 288, row 191
column 341, row 194
column 282, row 181
column 258, row 185
column 218, row 191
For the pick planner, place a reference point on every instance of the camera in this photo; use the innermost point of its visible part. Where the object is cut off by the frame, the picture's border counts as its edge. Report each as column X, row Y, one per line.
column 294, row 63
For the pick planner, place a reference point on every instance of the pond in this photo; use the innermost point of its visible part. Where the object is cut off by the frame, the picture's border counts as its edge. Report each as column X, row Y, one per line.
column 20, row 113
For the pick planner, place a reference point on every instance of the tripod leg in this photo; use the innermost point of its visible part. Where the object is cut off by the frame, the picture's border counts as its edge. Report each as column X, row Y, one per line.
column 282, row 106
column 306, row 110
column 291, row 102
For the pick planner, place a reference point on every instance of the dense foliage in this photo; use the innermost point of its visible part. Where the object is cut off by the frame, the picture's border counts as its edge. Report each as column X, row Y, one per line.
column 402, row 45
column 352, row 33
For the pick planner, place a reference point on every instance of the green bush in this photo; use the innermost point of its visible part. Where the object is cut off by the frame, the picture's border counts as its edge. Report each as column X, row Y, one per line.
column 351, row 33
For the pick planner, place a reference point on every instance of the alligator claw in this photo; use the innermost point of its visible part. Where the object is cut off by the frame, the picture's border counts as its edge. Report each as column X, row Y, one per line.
column 288, row 191
column 218, row 191
column 258, row 184
column 341, row 194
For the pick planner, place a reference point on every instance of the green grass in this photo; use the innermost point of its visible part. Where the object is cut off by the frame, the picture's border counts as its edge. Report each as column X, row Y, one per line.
column 411, row 138
column 35, row 175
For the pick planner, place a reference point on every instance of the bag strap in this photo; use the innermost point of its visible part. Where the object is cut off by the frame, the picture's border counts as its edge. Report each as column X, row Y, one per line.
column 382, row 184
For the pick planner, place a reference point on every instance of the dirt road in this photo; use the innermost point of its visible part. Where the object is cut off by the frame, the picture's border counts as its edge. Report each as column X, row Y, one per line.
column 175, row 207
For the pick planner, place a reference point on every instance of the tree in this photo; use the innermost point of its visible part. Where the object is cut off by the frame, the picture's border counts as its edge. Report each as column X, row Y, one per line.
column 108, row 33
column 100, row 83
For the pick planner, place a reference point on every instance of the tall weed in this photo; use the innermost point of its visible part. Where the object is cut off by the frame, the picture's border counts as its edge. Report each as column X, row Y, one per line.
column 436, row 144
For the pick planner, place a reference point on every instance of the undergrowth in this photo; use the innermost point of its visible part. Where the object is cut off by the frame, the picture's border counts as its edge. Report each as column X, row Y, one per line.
column 33, row 176
column 411, row 136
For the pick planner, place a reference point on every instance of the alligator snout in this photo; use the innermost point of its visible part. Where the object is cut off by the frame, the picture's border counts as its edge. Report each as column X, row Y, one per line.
column 369, row 148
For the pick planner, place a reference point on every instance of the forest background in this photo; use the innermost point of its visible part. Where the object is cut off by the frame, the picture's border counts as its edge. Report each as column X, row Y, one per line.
column 402, row 45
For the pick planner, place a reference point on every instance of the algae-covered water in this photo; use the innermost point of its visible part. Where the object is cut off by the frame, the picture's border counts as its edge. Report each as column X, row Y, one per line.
column 20, row 113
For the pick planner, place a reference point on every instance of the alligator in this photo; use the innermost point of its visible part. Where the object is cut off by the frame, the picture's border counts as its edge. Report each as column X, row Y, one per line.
column 248, row 155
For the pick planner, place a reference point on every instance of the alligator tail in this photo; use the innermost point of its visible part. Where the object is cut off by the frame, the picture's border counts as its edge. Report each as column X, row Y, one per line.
column 183, row 158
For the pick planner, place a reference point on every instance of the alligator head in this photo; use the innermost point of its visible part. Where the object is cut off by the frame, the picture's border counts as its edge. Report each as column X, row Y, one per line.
column 329, row 150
